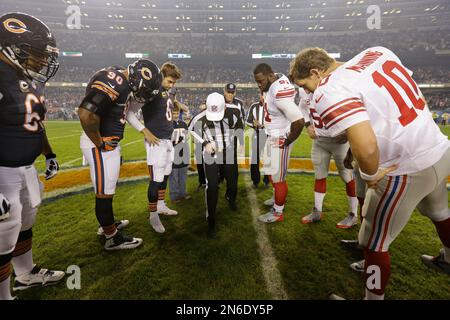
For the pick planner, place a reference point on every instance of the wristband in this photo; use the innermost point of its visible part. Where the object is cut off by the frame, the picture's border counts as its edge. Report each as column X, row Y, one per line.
column 368, row 177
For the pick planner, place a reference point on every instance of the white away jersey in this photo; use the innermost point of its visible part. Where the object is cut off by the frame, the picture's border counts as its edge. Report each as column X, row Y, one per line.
column 375, row 86
column 309, row 112
column 281, row 92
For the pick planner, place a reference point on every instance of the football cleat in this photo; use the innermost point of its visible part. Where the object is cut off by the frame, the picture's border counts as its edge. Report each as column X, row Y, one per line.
column 121, row 242
column 350, row 220
column 335, row 297
column 437, row 263
column 358, row 266
column 351, row 244
column 155, row 222
column 212, row 232
column 119, row 225
column 314, row 216
column 37, row 277
column 163, row 209
column 271, row 216
column 269, row 202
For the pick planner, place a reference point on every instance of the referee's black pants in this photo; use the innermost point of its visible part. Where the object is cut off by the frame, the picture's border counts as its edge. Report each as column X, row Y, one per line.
column 257, row 144
column 212, row 186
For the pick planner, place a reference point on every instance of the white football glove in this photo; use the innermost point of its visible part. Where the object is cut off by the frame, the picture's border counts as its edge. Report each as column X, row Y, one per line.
column 4, row 207
column 52, row 166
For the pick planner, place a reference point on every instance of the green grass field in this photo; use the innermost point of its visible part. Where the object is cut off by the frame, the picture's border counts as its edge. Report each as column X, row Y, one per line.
column 183, row 264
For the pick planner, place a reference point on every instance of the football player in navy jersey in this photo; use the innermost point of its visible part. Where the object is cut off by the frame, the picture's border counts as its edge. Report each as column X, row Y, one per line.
column 102, row 115
column 28, row 58
column 158, row 129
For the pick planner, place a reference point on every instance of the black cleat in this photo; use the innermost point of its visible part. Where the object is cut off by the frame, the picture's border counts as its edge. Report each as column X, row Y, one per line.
column 437, row 263
column 351, row 244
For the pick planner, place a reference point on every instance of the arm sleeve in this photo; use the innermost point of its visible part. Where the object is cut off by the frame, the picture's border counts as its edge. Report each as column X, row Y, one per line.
column 289, row 109
column 196, row 137
column 194, row 130
column 132, row 118
column 249, row 120
column 240, row 127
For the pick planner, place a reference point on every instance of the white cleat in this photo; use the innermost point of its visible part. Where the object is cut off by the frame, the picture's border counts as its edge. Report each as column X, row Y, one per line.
column 350, row 220
column 37, row 277
column 119, row 225
column 269, row 202
column 271, row 216
column 314, row 216
column 163, row 209
column 335, row 297
column 358, row 266
column 122, row 242
column 155, row 222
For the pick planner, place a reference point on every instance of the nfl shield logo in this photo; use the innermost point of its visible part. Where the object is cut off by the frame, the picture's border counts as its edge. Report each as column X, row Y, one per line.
column 214, row 108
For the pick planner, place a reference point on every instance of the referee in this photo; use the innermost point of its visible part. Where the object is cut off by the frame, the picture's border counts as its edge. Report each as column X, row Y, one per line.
column 255, row 120
column 219, row 126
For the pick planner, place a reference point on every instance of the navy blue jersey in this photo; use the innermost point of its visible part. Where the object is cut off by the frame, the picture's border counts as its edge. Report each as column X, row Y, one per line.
column 22, row 110
column 112, row 83
column 158, row 115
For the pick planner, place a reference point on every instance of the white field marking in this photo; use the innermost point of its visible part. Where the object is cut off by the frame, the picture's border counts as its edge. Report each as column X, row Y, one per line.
column 269, row 263
column 67, row 164
column 69, row 135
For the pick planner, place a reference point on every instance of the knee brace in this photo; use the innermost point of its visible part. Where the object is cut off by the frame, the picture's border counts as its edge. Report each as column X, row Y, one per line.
column 9, row 232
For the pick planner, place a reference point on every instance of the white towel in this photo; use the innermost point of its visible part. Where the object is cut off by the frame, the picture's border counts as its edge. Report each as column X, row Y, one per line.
column 32, row 184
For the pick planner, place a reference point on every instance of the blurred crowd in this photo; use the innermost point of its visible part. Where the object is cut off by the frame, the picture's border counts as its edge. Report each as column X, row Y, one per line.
column 220, row 74
column 216, row 44
column 62, row 102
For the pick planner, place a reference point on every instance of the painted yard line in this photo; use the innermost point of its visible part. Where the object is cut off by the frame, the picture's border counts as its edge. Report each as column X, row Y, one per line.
column 69, row 135
column 269, row 263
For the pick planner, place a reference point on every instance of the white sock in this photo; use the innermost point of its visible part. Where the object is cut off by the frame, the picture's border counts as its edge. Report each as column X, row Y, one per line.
column 447, row 254
column 353, row 205
column 373, row 296
column 318, row 200
column 278, row 209
column 23, row 263
column 5, row 289
column 161, row 203
column 154, row 215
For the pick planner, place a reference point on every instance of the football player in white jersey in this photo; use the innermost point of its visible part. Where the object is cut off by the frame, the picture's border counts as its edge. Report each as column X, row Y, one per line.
column 402, row 154
column 284, row 124
column 324, row 147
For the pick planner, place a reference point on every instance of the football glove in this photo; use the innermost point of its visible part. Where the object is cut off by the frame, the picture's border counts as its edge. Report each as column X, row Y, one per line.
column 52, row 166
column 110, row 143
column 4, row 207
column 281, row 142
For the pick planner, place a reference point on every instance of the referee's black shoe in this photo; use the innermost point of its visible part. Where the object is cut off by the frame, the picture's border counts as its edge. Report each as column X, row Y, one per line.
column 231, row 203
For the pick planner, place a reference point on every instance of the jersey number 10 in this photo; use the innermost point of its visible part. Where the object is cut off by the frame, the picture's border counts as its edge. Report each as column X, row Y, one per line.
column 408, row 114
